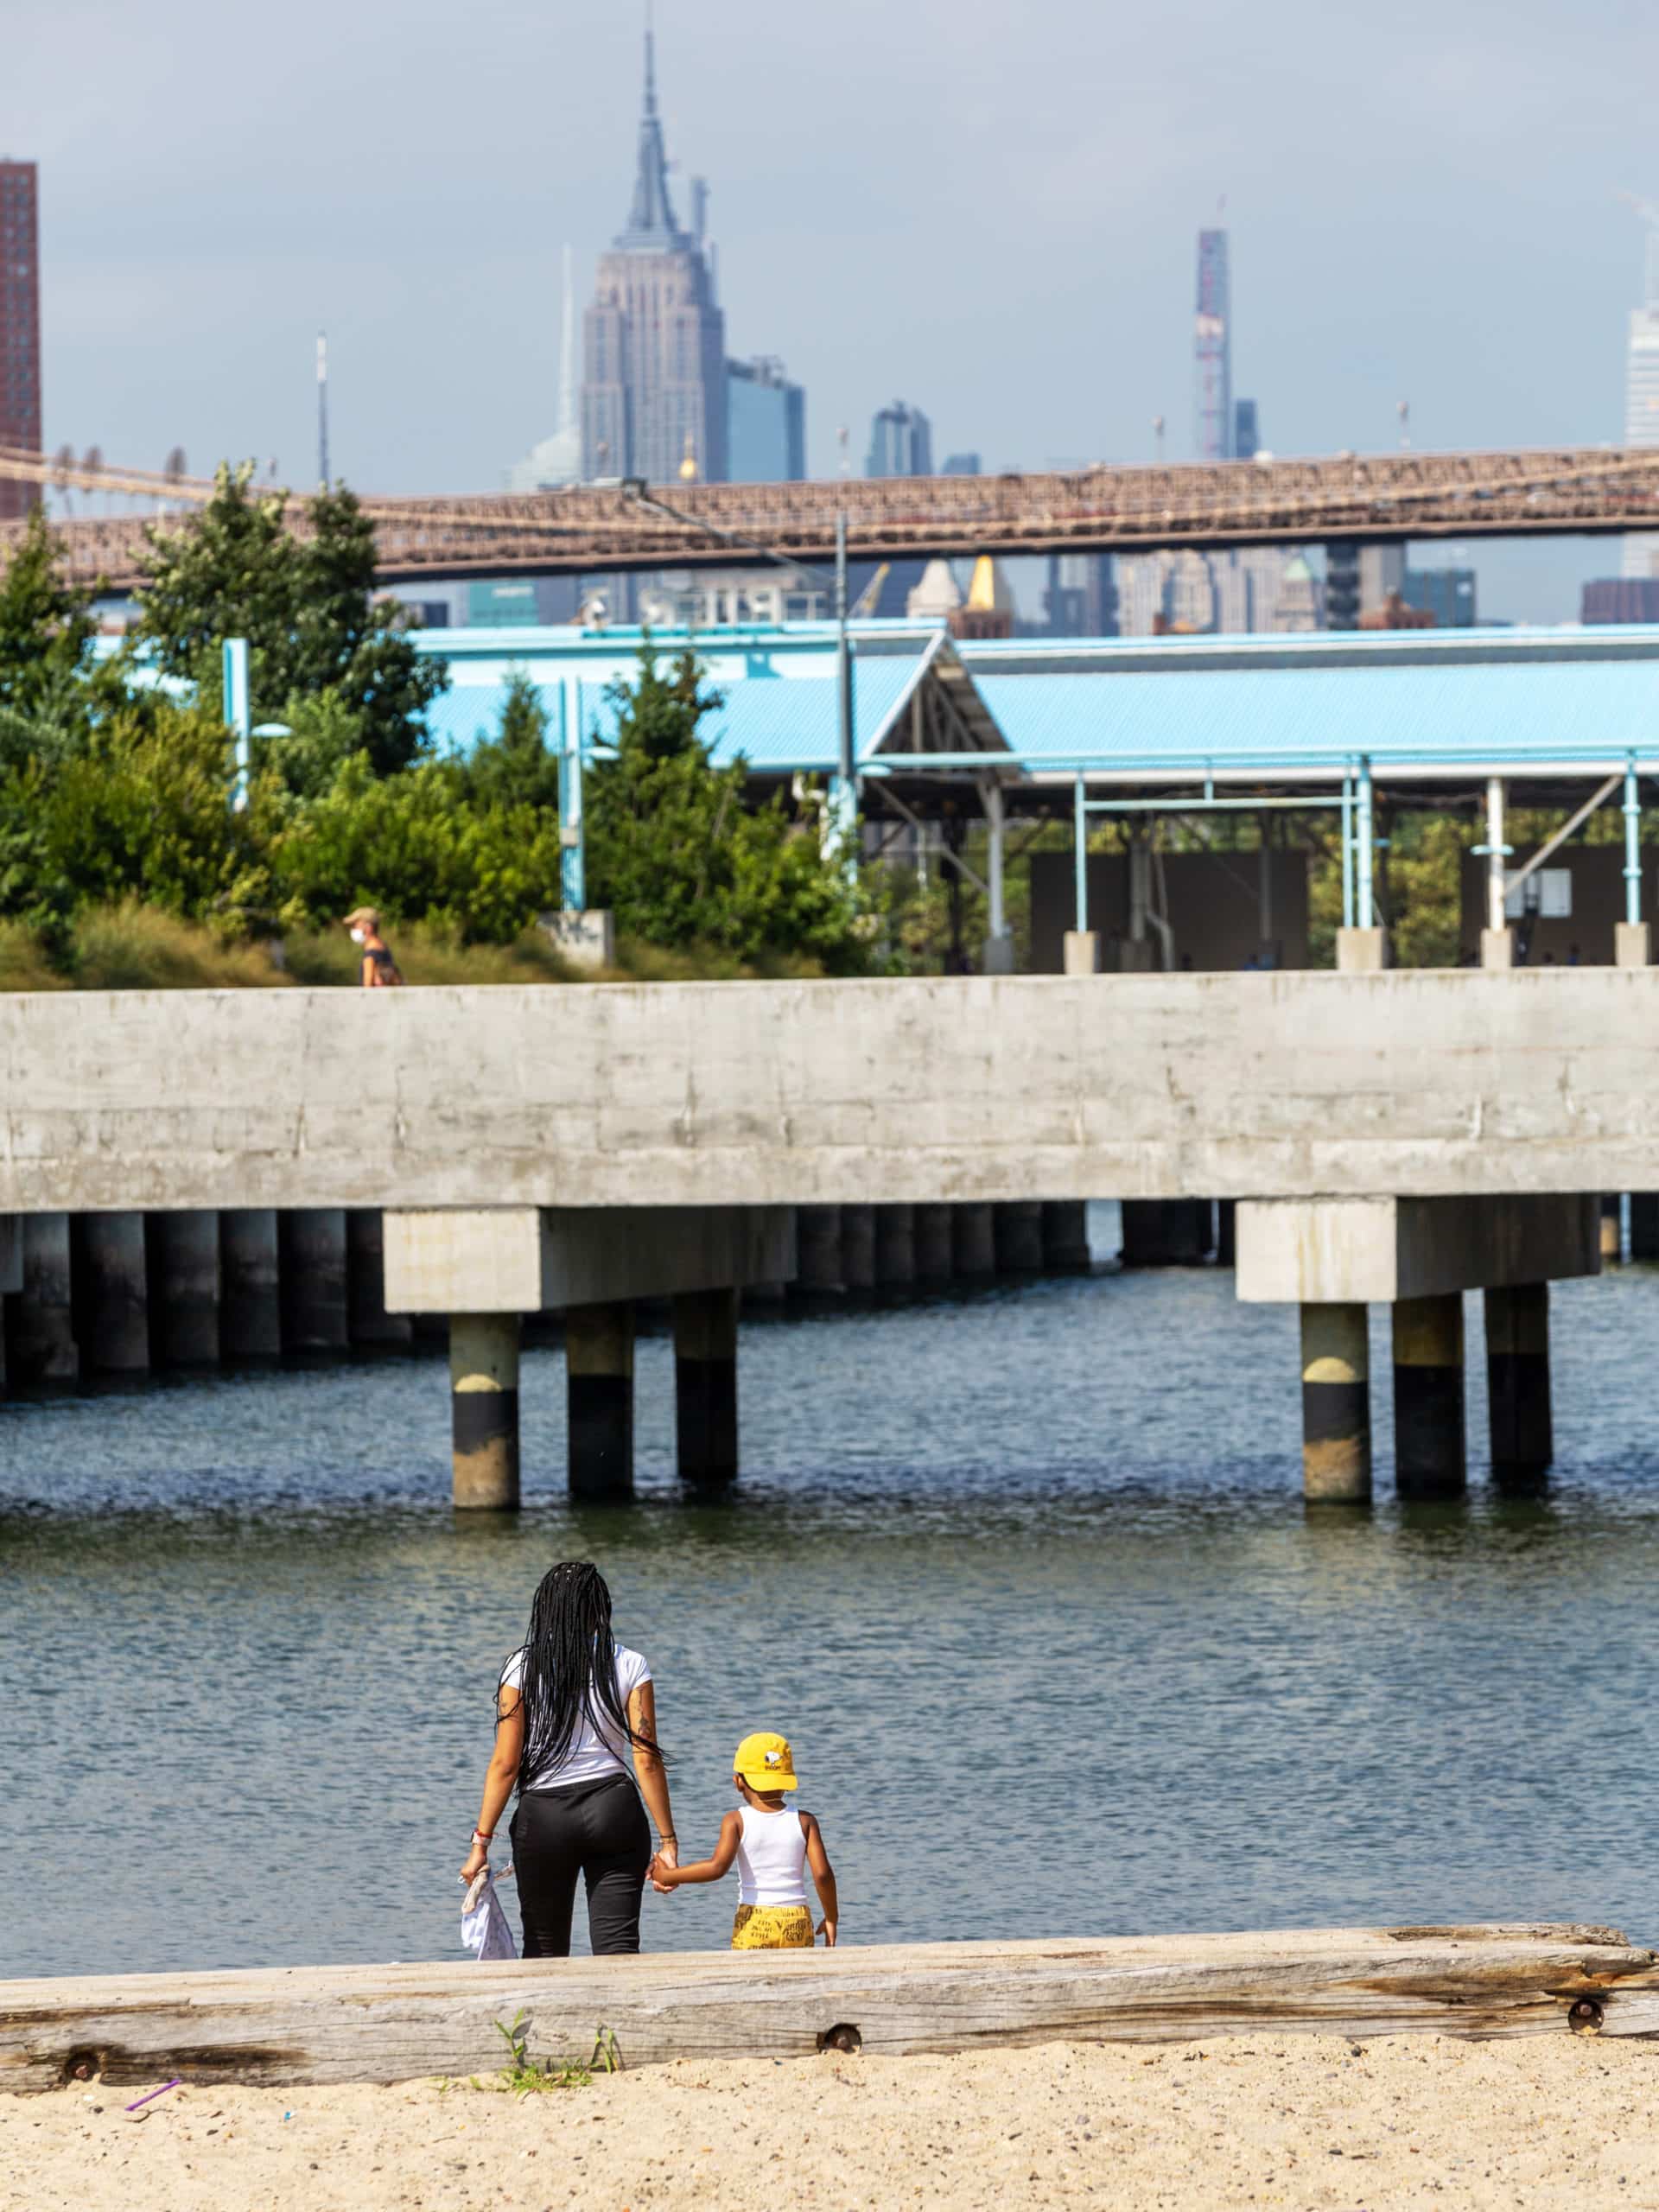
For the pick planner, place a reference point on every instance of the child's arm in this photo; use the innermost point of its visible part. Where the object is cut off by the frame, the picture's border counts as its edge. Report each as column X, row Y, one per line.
column 824, row 1876
column 705, row 1869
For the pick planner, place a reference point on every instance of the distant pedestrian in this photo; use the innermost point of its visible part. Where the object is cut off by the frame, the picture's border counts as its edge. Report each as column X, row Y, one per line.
column 773, row 1847
column 377, row 969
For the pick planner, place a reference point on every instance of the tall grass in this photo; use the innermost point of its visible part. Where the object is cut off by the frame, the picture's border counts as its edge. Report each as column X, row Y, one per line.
column 133, row 947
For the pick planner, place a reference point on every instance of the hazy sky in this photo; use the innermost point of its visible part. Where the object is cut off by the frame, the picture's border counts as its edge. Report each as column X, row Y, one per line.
column 988, row 211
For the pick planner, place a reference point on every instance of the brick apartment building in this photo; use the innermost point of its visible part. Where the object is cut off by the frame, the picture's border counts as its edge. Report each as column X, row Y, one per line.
column 20, row 324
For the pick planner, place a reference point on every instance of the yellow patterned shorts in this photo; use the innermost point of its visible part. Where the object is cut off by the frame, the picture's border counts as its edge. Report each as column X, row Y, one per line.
column 773, row 1927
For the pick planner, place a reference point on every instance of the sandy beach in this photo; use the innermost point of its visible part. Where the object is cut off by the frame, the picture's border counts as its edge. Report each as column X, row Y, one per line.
column 1288, row 2121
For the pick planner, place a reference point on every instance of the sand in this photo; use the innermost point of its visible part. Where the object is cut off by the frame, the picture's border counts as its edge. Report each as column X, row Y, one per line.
column 1260, row 2120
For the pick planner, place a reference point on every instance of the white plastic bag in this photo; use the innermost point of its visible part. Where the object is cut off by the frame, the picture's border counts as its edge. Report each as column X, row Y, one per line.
column 484, row 1927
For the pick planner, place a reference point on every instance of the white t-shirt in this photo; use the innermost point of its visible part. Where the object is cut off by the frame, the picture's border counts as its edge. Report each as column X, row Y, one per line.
column 598, row 1748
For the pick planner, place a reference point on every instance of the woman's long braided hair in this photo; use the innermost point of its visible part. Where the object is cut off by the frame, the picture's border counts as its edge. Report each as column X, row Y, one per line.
column 569, row 1672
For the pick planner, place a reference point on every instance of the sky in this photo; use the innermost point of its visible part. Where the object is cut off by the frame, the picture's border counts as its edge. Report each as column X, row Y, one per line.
column 988, row 211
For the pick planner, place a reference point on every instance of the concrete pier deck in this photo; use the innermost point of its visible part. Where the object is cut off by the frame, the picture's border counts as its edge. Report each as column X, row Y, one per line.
column 400, row 2022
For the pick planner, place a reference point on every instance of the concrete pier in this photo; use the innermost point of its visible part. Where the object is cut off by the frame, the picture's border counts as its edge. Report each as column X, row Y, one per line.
column 250, row 1302
column 895, row 1248
column 1429, row 1452
column 1017, row 1230
column 484, row 1411
column 311, row 1256
column 599, row 1383
column 181, row 1267
column 1517, row 1381
column 818, row 1230
column 1336, row 1404
column 972, row 1243
column 1066, row 1236
column 111, row 1292
column 367, row 1321
column 858, row 1248
column 1167, row 1232
column 705, row 1386
column 41, row 1348
column 935, row 1231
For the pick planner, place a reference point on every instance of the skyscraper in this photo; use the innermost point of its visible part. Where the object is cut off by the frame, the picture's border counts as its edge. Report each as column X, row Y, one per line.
column 1247, row 431
column 653, row 395
column 765, row 424
column 902, row 442
column 1642, row 391
column 20, row 325
column 1212, row 350
column 556, row 459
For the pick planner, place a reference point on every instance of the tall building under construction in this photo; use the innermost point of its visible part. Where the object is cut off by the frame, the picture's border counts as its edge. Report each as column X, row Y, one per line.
column 653, row 395
column 20, row 325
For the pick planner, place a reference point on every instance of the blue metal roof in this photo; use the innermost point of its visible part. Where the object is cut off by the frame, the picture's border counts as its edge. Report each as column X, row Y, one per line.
column 780, row 724
column 1458, row 714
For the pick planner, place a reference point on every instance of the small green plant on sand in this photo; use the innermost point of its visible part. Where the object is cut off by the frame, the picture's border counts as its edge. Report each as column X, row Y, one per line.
column 525, row 2076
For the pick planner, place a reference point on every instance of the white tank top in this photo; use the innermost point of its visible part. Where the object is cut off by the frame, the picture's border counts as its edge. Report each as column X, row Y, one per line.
column 771, row 1857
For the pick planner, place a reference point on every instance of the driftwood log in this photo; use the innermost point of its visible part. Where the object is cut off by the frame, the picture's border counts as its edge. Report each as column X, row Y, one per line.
column 395, row 2022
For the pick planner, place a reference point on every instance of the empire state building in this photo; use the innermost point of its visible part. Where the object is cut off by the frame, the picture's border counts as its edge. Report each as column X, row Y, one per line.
column 653, row 395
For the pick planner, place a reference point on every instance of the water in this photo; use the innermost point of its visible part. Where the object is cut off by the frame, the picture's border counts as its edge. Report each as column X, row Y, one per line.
column 1027, row 1577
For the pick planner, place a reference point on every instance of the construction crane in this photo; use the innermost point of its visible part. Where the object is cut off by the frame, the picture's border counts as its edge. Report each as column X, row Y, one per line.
column 870, row 598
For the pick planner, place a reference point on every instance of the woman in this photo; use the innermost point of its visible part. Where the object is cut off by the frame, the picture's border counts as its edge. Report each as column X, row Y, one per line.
column 570, row 1702
column 377, row 969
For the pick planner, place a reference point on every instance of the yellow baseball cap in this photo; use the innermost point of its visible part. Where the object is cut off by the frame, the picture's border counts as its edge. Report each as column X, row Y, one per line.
column 765, row 1762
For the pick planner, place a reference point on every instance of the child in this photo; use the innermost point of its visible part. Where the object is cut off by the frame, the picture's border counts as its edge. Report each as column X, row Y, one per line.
column 773, row 1847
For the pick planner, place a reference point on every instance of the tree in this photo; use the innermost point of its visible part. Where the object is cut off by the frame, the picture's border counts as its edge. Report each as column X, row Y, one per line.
column 46, row 635
column 676, row 850
column 514, row 767
column 305, row 604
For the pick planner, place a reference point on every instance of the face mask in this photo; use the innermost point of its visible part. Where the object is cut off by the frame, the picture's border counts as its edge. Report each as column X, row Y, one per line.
column 359, row 936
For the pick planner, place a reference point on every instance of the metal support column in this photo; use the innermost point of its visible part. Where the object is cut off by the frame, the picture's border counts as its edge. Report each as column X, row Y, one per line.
column 1497, row 943
column 1631, row 937
column 573, row 858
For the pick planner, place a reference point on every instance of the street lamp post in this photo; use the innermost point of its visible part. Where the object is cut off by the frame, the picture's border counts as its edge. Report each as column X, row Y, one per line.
column 843, row 796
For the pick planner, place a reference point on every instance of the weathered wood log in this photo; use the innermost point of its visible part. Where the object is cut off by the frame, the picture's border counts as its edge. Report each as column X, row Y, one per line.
column 394, row 2023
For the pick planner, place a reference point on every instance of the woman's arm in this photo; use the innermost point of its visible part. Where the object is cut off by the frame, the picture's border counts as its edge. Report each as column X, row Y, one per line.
column 708, row 1869
column 823, row 1876
column 502, row 1773
column 653, row 1778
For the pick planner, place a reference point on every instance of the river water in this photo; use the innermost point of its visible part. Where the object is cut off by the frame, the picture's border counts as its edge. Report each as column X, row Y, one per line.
column 1025, row 1574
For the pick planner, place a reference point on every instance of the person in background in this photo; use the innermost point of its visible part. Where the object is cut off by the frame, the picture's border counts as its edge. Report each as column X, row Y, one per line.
column 377, row 969
column 571, row 1703
column 773, row 1847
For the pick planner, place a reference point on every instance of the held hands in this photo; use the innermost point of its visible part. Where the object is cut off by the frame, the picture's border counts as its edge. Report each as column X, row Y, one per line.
column 662, row 1869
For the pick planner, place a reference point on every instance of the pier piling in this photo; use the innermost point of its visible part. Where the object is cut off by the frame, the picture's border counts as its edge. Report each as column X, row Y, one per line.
column 895, row 1248
column 1336, row 1404
column 250, row 1304
column 818, row 1230
column 705, row 1386
column 182, row 1273
column 368, row 1322
column 1430, row 1460
column 1017, row 1230
column 311, row 1250
column 1517, row 1381
column 935, row 1236
column 41, row 1348
column 111, row 1292
column 858, row 1248
column 973, row 1243
column 484, row 1411
column 599, row 1381
column 1066, row 1236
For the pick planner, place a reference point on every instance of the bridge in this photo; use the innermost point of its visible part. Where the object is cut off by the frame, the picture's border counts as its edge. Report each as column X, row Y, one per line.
column 588, row 529
column 1393, row 1138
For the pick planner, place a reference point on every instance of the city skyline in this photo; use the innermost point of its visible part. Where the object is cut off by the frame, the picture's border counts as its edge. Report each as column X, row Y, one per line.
column 190, row 319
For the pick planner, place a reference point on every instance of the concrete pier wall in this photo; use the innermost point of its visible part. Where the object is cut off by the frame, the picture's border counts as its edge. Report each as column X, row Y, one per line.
column 857, row 1093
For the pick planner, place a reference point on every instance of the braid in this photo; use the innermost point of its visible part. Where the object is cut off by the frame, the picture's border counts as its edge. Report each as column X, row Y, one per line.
column 569, row 1668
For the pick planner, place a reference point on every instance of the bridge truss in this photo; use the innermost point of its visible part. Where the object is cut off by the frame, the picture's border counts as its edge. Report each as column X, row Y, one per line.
column 590, row 528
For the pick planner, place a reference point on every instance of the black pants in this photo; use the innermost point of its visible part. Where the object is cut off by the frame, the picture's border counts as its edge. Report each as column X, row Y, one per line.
column 598, row 1830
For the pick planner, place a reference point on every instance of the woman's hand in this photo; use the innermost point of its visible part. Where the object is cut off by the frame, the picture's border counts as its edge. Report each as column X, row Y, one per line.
column 477, row 1859
column 668, row 1855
